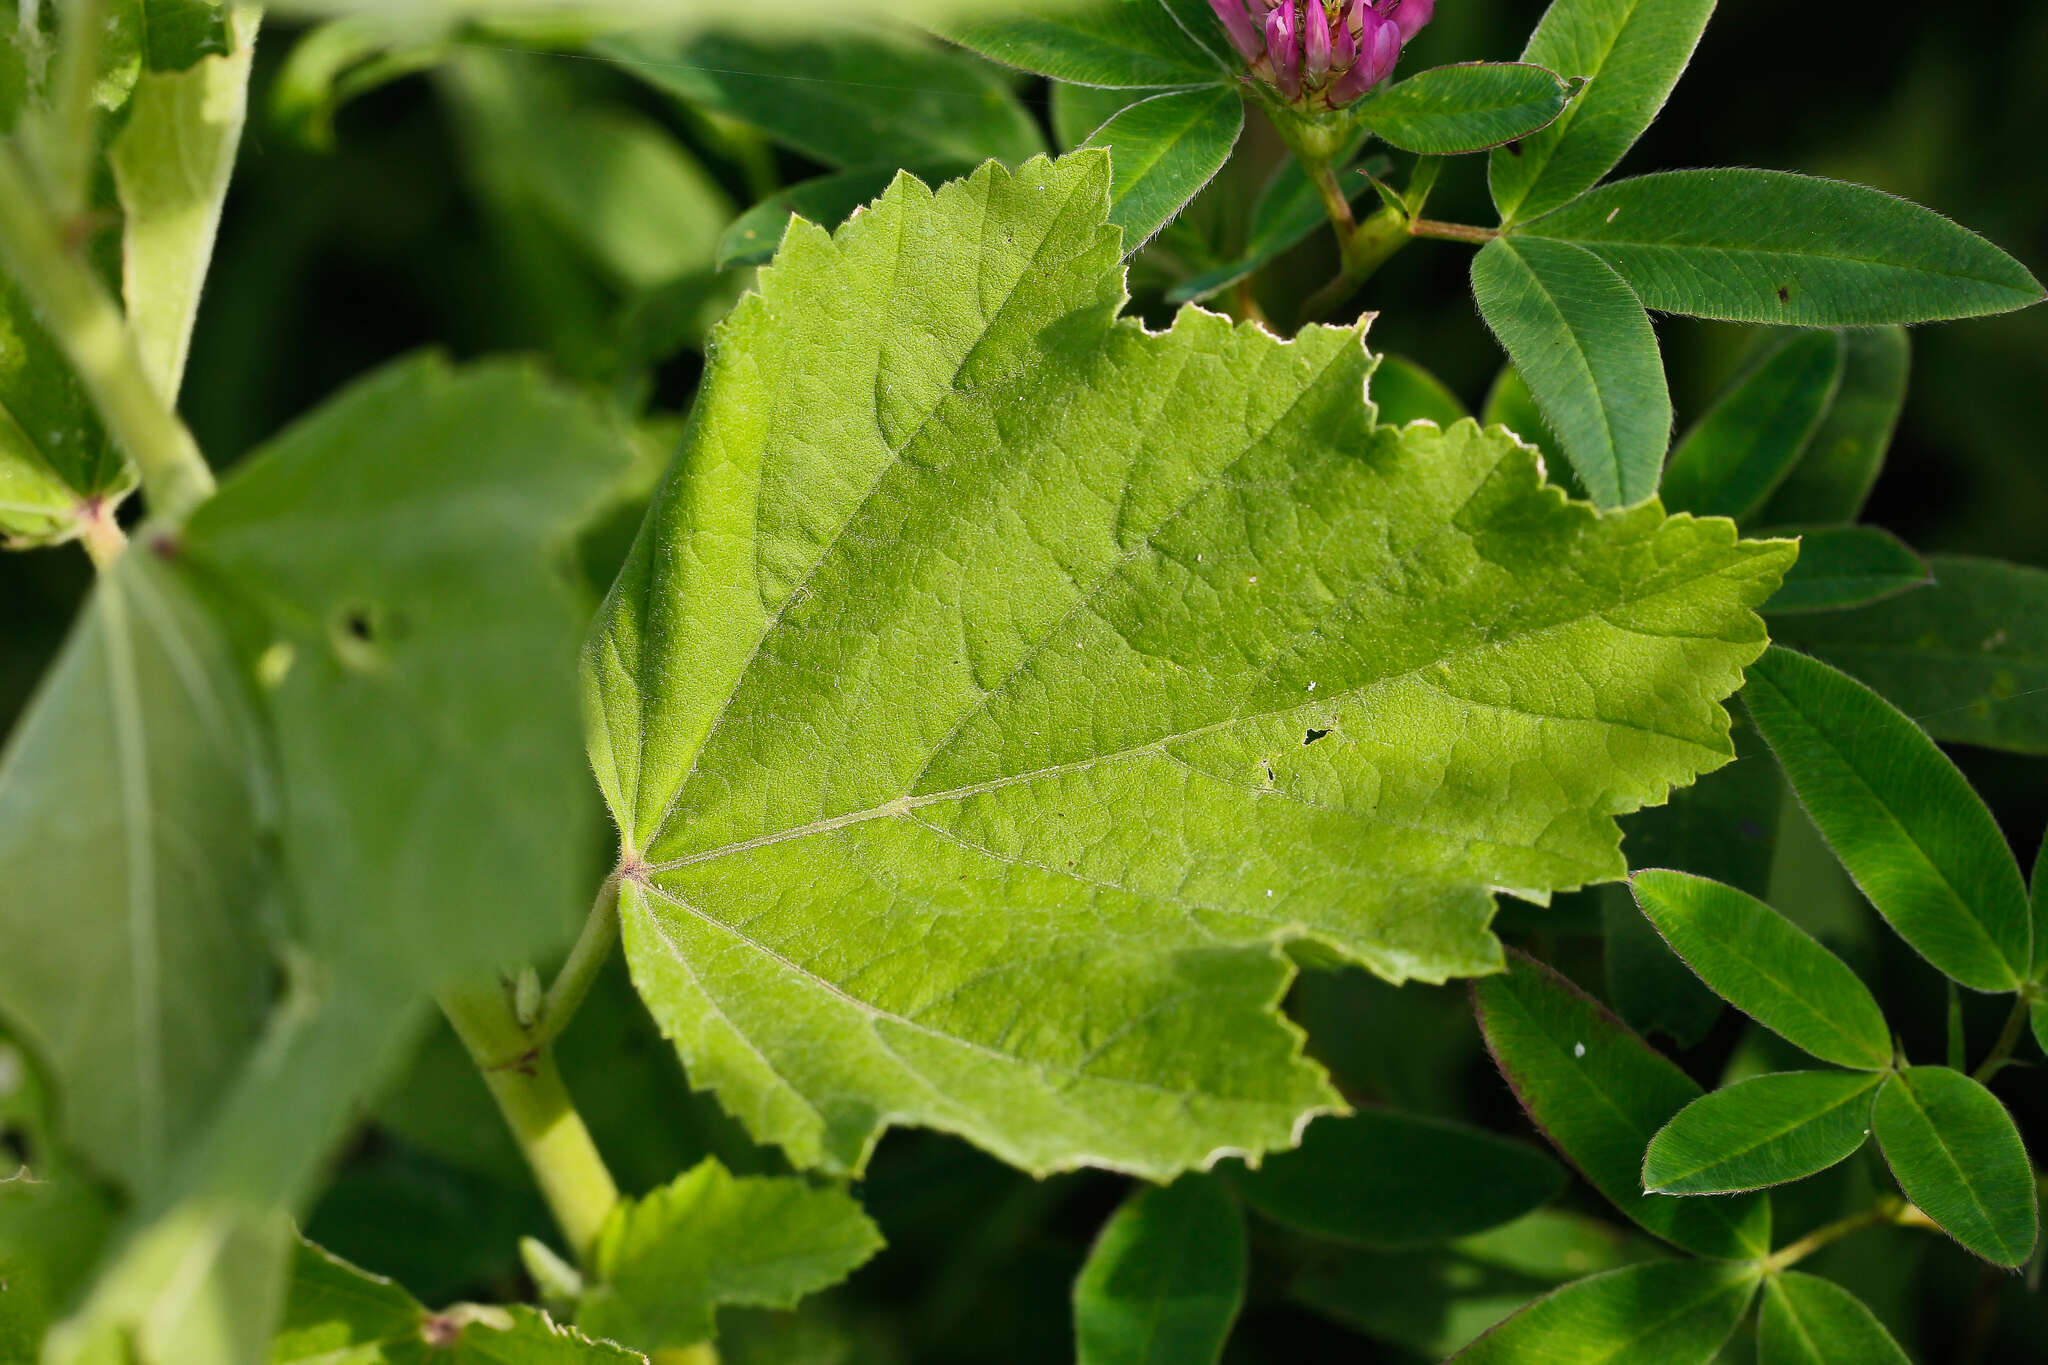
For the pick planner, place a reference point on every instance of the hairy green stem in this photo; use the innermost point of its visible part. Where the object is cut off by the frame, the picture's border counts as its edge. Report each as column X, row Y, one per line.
column 525, row 1082
column 1452, row 232
column 1367, row 248
column 579, row 971
column 95, row 338
column 1890, row 1209
column 2008, row 1038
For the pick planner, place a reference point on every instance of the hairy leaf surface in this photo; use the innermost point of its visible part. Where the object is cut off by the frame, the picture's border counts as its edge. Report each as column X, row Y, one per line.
column 996, row 685
column 1664, row 1313
column 1806, row 1320
column 1958, row 1155
column 1632, row 52
column 1766, row 1130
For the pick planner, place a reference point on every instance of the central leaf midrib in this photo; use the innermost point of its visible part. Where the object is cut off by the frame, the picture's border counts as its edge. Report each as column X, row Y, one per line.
column 907, row 803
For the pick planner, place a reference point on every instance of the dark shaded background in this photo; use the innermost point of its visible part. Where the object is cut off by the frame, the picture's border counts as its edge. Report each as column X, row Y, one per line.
column 331, row 264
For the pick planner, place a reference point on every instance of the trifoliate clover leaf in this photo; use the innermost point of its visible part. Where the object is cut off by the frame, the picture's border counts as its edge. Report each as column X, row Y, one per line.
column 997, row 687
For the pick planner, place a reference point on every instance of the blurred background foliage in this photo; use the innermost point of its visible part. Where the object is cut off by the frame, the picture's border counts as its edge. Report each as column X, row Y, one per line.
column 487, row 199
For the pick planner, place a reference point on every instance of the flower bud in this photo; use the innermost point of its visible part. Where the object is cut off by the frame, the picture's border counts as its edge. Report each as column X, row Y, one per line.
column 1411, row 15
column 1237, row 22
column 1283, row 46
column 1315, row 62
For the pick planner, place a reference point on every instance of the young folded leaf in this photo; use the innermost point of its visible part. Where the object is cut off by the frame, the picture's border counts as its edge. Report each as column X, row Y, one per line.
column 1958, row 1156
column 665, row 1263
column 1384, row 1179
column 1601, row 1094
column 1162, row 151
column 1583, row 343
column 1729, row 463
column 336, row 1312
column 1806, row 1320
column 1967, row 658
column 1165, row 1279
column 1631, row 53
column 1833, row 478
column 1901, row 817
column 1663, row 1313
column 1840, row 567
column 1465, row 108
column 983, row 649
column 1767, row 967
column 1767, row 246
column 1762, row 1131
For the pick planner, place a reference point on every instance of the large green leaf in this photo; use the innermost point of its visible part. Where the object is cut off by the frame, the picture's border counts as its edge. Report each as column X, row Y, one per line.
column 1600, row 1094
column 1387, row 1179
column 54, row 1217
column 666, row 1262
column 1102, row 43
column 1664, row 1313
column 1958, row 1156
column 846, row 99
column 1901, row 817
column 1632, row 52
column 1584, row 344
column 1806, row 1320
column 1966, row 658
column 1162, row 151
column 132, row 798
column 1164, row 1280
column 398, row 554
column 1465, row 108
column 336, row 1313
column 1766, row 246
column 1767, row 967
column 1769, row 1129
column 1729, row 463
column 1093, row 662
column 171, row 163
column 1833, row 479
column 1848, row 566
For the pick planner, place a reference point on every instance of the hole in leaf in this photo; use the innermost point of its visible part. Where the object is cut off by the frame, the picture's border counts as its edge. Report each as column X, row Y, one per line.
column 1784, row 293
column 1267, row 764
column 360, row 631
column 1312, row 736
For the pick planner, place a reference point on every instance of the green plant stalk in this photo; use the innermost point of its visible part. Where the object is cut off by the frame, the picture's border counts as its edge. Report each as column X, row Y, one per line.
column 1890, row 1209
column 2008, row 1038
column 95, row 337
column 579, row 971
column 527, row 1085
column 68, row 133
column 1364, row 250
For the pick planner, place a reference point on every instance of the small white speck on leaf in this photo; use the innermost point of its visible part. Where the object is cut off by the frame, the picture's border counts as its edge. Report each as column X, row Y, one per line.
column 1578, row 1049
column 1269, row 891
column 1613, row 213
column 1252, row 579
column 1311, row 687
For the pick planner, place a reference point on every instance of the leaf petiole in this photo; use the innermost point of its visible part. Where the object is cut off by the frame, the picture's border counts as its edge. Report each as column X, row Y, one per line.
column 2008, row 1037
column 527, row 1085
column 1890, row 1209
